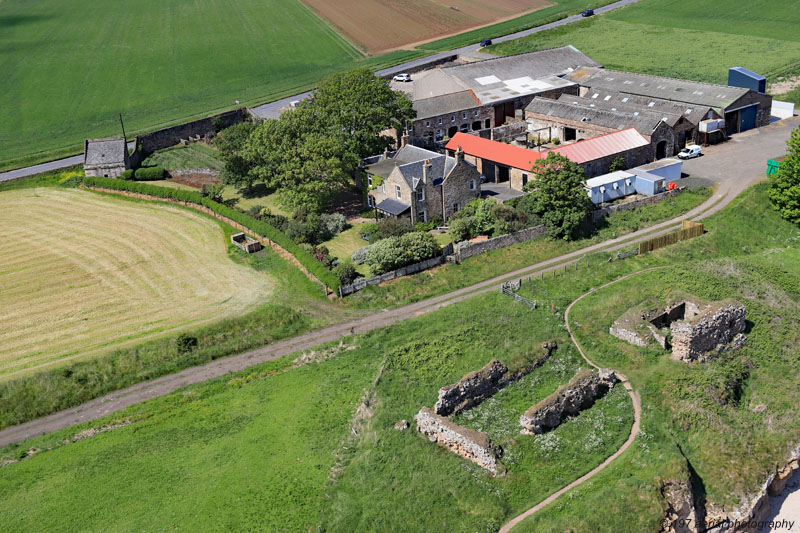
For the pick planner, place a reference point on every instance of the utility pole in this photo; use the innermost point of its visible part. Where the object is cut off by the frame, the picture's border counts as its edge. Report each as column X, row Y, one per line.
column 125, row 137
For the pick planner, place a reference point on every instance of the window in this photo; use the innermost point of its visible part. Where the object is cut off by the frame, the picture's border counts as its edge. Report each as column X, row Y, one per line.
column 369, row 181
column 463, row 115
column 397, row 191
column 476, row 112
column 427, row 123
column 422, row 215
column 421, row 195
column 370, row 201
column 456, row 207
column 472, row 185
column 383, row 187
column 440, row 120
column 524, row 179
column 453, row 118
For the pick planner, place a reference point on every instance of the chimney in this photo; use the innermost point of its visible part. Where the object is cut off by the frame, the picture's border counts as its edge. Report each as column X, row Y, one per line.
column 405, row 138
column 459, row 155
column 425, row 170
column 386, row 153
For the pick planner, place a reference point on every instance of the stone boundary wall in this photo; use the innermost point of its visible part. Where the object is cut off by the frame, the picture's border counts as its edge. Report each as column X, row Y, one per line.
column 363, row 283
column 712, row 329
column 468, row 443
column 147, row 143
column 203, row 209
column 648, row 200
column 569, row 400
column 481, row 384
column 466, row 249
column 192, row 171
column 422, row 66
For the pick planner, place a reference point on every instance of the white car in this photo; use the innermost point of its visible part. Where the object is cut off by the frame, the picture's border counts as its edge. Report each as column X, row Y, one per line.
column 690, row 152
column 402, row 77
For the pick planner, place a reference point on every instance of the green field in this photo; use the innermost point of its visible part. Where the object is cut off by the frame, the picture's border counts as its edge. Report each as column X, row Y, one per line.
column 692, row 40
column 280, row 448
column 69, row 69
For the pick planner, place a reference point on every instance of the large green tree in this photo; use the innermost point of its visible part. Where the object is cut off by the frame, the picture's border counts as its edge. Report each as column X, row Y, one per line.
column 784, row 189
column 557, row 195
column 309, row 153
column 231, row 144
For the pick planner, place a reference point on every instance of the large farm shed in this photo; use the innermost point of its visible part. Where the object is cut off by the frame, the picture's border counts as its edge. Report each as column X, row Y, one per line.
column 741, row 107
column 483, row 94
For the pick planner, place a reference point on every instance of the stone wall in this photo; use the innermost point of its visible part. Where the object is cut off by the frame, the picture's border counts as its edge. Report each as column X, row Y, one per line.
column 148, row 143
column 466, row 249
column 579, row 394
column 469, row 444
column 714, row 327
column 471, row 390
column 457, row 188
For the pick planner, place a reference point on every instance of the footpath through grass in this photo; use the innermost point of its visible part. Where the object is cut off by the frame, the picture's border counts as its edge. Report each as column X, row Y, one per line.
column 705, row 38
column 288, row 444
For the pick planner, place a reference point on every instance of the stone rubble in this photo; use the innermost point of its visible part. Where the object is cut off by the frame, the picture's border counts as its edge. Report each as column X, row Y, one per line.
column 710, row 331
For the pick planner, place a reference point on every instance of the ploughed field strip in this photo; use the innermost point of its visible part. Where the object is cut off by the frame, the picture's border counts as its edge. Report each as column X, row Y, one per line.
column 82, row 274
column 383, row 24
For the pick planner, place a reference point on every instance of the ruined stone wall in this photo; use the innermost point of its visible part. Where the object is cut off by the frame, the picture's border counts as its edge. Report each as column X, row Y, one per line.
column 473, row 445
column 471, row 390
column 579, row 394
column 713, row 328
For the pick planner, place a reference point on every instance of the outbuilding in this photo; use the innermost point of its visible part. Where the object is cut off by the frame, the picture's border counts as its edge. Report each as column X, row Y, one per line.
column 610, row 187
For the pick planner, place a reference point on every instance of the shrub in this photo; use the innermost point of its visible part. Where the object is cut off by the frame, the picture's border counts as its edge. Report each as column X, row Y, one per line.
column 461, row 228
column 387, row 227
column 386, row 255
column 556, row 141
column 150, row 173
column 419, row 246
column 213, row 191
column 186, row 343
column 433, row 223
column 256, row 210
column 360, row 255
column 334, row 223
column 346, row 272
column 127, row 174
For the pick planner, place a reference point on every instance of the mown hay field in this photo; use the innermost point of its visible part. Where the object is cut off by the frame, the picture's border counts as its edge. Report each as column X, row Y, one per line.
column 385, row 24
column 81, row 274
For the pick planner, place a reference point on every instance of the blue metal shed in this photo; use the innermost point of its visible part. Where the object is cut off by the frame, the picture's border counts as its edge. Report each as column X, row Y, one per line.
column 649, row 184
column 741, row 77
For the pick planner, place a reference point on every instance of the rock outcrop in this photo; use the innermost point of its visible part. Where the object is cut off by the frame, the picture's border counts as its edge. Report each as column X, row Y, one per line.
column 680, row 516
column 470, row 444
column 569, row 400
column 712, row 329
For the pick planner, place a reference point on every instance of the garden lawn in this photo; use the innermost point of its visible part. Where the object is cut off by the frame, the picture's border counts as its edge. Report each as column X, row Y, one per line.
column 347, row 242
column 705, row 38
column 192, row 156
column 70, row 68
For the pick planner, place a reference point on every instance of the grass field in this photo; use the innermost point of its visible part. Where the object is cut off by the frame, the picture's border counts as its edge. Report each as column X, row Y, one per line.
column 82, row 274
column 697, row 40
column 69, row 69
column 195, row 155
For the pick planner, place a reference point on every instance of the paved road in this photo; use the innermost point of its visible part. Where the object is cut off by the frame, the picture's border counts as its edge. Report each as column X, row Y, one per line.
column 735, row 166
column 635, row 401
column 273, row 109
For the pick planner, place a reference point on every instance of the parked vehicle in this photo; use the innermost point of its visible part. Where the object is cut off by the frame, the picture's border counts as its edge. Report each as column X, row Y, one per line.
column 294, row 104
column 588, row 13
column 690, row 151
column 486, row 42
column 402, row 77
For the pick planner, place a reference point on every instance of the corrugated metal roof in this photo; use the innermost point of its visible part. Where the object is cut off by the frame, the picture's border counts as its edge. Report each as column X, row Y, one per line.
column 505, row 154
column 602, row 146
column 565, row 109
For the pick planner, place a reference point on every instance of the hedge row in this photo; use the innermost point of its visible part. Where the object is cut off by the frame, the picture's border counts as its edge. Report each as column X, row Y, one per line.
column 262, row 228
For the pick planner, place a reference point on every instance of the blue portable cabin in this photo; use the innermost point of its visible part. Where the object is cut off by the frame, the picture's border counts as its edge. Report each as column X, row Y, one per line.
column 610, row 187
column 648, row 183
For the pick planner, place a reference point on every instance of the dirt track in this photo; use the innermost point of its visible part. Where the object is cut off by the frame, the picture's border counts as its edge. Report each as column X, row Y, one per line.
column 735, row 165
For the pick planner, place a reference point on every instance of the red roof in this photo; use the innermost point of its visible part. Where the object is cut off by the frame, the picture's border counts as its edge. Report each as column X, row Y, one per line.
column 602, row 146
column 505, row 154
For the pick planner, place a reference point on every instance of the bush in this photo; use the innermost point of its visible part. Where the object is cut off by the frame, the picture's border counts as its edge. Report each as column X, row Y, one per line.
column 387, row 227
column 419, row 246
column 256, row 210
column 334, row 224
column 213, row 191
column 150, row 173
column 262, row 228
column 433, row 223
column 346, row 272
column 360, row 255
column 461, row 228
column 386, row 255
column 186, row 343
column 127, row 174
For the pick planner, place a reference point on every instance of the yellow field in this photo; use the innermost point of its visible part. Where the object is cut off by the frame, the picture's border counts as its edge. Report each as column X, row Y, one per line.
column 81, row 274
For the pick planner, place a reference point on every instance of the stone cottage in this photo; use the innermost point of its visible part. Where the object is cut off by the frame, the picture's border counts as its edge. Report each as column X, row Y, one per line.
column 419, row 184
column 105, row 157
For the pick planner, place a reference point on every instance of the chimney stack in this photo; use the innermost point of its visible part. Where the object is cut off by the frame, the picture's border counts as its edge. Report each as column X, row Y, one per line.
column 459, row 154
column 405, row 139
column 425, row 171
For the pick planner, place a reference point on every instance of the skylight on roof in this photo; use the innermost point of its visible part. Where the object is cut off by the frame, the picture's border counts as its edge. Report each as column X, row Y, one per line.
column 651, row 104
column 595, row 95
column 488, row 80
column 607, row 98
column 688, row 111
column 635, row 113
column 624, row 99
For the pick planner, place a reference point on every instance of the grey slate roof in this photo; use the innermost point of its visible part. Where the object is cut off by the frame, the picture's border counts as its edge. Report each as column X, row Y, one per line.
column 109, row 151
column 708, row 94
column 393, row 207
column 409, row 161
column 623, row 108
column 644, row 123
column 692, row 112
column 444, row 104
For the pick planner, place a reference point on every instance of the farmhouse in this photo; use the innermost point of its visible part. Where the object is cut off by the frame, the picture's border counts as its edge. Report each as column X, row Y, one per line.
column 418, row 183
column 742, row 107
column 105, row 157
column 504, row 163
column 484, row 94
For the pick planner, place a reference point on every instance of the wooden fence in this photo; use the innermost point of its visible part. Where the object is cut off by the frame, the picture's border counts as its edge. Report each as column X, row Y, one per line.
column 688, row 230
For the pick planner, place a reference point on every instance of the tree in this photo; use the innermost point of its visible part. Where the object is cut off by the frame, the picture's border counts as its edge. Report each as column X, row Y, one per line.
column 231, row 144
column 361, row 106
column 557, row 195
column 784, row 189
column 617, row 164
